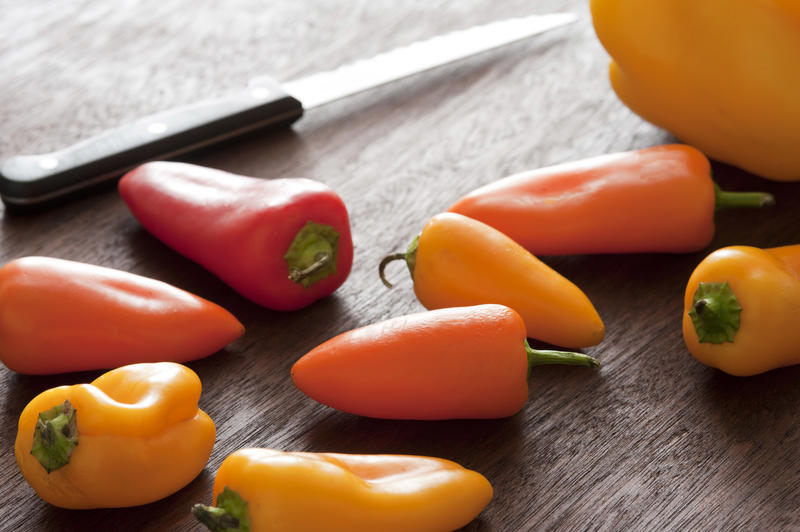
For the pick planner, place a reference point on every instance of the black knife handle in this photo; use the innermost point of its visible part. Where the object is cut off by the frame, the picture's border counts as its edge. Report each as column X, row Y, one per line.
column 31, row 181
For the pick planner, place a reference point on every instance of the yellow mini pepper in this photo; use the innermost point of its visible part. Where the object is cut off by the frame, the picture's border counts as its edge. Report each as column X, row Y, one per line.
column 740, row 309
column 264, row 489
column 132, row 436
column 721, row 75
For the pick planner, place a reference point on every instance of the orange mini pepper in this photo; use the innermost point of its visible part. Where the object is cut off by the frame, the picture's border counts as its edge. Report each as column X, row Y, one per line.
column 659, row 199
column 459, row 362
column 264, row 489
column 457, row 261
column 132, row 436
column 740, row 309
column 60, row 316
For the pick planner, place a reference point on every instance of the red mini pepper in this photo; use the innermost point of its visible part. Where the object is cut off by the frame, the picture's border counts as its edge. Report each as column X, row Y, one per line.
column 658, row 199
column 457, row 362
column 282, row 243
column 58, row 316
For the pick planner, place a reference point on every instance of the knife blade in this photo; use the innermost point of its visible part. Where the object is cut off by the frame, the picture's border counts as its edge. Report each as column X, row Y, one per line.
column 36, row 181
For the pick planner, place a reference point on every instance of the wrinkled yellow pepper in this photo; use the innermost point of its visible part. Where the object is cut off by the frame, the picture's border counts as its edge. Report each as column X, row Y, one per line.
column 132, row 436
column 264, row 489
column 740, row 309
column 722, row 75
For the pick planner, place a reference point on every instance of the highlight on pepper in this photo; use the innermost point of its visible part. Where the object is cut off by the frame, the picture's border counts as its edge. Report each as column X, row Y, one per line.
column 458, row 261
column 61, row 316
column 133, row 436
column 740, row 309
column 260, row 489
column 450, row 363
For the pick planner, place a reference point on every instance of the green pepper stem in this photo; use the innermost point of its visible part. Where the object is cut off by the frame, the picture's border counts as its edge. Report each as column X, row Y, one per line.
column 230, row 514
column 715, row 313
column 55, row 436
column 216, row 519
column 312, row 254
column 410, row 258
column 541, row 357
column 382, row 267
column 297, row 275
column 725, row 199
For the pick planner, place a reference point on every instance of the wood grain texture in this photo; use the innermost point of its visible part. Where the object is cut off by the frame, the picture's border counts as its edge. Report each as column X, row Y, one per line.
column 653, row 440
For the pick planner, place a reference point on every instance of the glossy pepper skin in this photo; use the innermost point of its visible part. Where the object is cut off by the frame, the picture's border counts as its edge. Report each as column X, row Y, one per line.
column 658, row 199
column 59, row 316
column 298, row 492
column 718, row 74
column 132, row 436
column 740, row 309
column 282, row 243
column 457, row 261
column 450, row 363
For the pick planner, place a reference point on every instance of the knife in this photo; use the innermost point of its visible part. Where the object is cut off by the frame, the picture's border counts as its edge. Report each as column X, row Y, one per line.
column 36, row 181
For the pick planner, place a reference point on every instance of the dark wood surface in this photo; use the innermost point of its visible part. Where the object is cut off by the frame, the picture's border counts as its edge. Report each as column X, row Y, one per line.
column 653, row 440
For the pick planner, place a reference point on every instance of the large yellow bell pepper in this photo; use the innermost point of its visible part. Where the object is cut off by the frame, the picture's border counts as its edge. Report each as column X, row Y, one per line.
column 132, row 436
column 722, row 75
column 264, row 489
